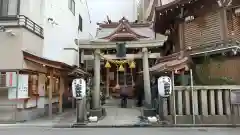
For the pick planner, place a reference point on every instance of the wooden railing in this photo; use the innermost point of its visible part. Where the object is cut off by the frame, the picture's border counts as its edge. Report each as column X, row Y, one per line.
column 202, row 104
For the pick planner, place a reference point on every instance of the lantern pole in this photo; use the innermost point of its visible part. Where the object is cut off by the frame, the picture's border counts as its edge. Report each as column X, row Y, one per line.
column 192, row 94
column 173, row 96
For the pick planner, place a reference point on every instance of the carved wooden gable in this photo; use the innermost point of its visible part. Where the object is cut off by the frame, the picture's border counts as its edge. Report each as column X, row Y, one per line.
column 124, row 30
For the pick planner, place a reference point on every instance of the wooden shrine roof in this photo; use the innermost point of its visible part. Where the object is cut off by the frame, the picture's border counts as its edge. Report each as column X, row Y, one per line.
column 51, row 63
column 124, row 29
column 132, row 24
column 173, row 62
column 170, row 13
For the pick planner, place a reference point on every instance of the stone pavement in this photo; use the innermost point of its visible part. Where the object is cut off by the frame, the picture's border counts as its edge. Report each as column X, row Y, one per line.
column 65, row 119
column 119, row 131
column 117, row 116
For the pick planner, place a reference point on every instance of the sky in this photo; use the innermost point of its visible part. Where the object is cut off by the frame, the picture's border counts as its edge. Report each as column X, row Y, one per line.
column 115, row 9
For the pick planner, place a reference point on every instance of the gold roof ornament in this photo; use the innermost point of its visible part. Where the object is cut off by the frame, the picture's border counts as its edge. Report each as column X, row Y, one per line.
column 107, row 65
column 121, row 68
column 132, row 65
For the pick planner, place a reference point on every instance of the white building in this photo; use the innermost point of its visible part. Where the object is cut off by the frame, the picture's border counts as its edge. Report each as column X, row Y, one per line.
column 32, row 30
column 59, row 21
column 69, row 19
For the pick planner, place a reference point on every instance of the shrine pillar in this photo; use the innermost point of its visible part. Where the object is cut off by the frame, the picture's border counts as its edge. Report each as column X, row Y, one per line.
column 146, row 78
column 96, row 81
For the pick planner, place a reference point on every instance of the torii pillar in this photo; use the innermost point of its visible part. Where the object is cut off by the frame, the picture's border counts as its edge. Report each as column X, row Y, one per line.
column 96, row 107
column 146, row 78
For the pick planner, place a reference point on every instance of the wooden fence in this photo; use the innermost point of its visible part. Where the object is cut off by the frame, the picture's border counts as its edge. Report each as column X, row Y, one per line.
column 202, row 105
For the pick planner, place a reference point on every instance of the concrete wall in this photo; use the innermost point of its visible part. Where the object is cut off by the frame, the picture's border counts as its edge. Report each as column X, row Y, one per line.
column 70, row 56
column 62, row 35
column 10, row 46
column 33, row 9
column 32, row 42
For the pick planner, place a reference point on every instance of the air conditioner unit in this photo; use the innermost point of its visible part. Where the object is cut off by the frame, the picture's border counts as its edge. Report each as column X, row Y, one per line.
column 237, row 11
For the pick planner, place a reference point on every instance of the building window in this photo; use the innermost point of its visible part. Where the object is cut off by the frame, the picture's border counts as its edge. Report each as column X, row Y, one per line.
column 71, row 6
column 9, row 7
column 80, row 23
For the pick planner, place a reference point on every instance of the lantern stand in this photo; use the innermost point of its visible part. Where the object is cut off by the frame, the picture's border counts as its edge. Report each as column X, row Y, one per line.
column 192, row 94
column 173, row 97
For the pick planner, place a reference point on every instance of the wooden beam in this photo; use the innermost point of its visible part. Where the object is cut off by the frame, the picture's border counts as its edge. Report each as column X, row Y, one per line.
column 223, row 24
column 50, row 94
column 61, row 91
column 130, row 44
column 128, row 56
column 42, row 63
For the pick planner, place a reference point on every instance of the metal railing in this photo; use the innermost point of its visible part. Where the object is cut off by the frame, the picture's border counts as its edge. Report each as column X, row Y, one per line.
column 23, row 21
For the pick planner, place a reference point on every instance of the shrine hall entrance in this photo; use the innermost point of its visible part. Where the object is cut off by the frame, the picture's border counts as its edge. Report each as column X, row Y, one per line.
column 115, row 79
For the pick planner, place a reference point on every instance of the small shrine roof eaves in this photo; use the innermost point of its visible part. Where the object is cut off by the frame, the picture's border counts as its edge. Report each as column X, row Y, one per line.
column 51, row 63
column 173, row 62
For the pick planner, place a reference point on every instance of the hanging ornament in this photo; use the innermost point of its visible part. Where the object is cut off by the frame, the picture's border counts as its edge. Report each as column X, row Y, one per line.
column 132, row 65
column 121, row 68
column 107, row 65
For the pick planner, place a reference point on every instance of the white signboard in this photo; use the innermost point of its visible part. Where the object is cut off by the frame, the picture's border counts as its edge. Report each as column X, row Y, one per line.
column 164, row 86
column 22, row 91
column 79, row 88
